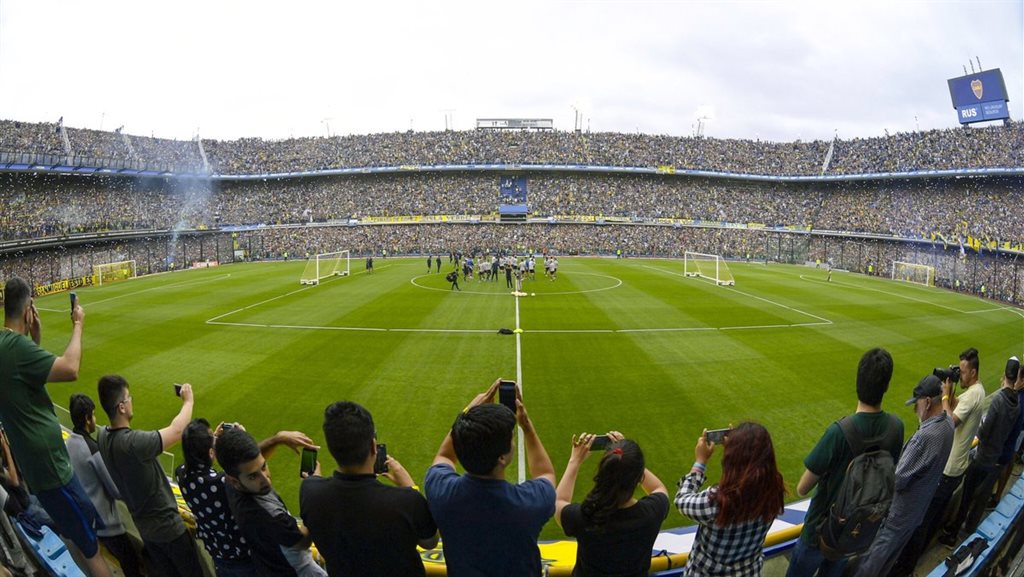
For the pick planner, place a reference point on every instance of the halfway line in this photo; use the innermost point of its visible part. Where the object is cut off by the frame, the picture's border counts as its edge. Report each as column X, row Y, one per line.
column 519, row 379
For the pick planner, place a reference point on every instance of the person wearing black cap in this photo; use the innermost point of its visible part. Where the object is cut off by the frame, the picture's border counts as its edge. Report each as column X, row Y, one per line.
column 983, row 471
column 917, row 477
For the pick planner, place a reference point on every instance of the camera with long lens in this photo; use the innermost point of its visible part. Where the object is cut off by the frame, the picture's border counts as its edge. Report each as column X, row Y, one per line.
column 952, row 373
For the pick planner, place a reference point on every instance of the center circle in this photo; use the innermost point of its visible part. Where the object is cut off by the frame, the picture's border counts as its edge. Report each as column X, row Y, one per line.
column 502, row 289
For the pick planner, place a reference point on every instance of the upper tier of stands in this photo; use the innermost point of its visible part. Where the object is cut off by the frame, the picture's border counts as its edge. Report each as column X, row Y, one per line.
column 955, row 148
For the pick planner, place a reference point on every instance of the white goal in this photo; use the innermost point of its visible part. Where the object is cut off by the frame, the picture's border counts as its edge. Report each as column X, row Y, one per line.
column 324, row 265
column 113, row 271
column 708, row 266
column 913, row 273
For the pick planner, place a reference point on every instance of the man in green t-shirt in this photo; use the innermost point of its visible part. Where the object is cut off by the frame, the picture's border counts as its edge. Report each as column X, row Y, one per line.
column 827, row 463
column 31, row 425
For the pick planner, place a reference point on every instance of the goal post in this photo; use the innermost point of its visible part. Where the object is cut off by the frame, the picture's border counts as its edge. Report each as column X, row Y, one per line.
column 921, row 274
column 708, row 266
column 326, row 264
column 113, row 271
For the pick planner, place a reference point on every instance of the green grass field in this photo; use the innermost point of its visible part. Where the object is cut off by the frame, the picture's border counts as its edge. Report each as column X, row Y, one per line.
column 627, row 345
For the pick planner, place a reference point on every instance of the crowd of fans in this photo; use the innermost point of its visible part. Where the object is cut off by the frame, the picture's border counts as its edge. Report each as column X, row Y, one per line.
column 953, row 148
column 947, row 210
column 30, row 137
column 935, row 149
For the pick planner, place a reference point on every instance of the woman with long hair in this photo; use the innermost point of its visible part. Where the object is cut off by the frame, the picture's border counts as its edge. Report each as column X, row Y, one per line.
column 614, row 531
column 735, row 515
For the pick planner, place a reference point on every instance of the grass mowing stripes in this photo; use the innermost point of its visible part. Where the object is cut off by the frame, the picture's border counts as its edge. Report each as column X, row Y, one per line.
column 612, row 344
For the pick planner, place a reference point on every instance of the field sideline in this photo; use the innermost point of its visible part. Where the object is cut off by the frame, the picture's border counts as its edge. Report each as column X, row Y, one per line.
column 630, row 345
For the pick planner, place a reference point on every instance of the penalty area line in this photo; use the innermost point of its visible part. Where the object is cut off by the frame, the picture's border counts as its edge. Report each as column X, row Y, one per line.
column 211, row 320
column 906, row 297
column 151, row 289
column 824, row 321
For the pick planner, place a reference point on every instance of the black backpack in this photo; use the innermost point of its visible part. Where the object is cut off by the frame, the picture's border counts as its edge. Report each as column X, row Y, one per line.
column 865, row 495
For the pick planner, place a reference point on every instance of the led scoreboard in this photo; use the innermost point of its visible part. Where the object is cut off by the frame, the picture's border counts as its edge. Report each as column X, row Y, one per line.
column 512, row 198
column 979, row 97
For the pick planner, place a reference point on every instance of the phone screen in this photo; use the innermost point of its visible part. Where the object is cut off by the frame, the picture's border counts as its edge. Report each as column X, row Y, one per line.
column 600, row 443
column 381, row 464
column 177, row 389
column 507, row 394
column 308, row 464
column 716, row 436
column 74, row 303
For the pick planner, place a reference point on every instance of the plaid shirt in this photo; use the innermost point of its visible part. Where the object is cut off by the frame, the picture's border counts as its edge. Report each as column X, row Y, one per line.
column 734, row 551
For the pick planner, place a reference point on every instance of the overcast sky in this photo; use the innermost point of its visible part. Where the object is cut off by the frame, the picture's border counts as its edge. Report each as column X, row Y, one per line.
column 771, row 70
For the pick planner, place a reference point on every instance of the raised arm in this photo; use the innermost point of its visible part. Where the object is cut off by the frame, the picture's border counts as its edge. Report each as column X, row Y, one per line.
column 537, row 460
column 65, row 367
column 563, row 493
column 171, row 434
column 294, row 440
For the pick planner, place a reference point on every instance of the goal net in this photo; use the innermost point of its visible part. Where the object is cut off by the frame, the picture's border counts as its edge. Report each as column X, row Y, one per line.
column 708, row 266
column 913, row 273
column 324, row 265
column 113, row 271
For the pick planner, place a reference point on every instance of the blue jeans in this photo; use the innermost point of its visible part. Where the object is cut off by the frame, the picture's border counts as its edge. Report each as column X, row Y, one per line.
column 806, row 560
column 234, row 567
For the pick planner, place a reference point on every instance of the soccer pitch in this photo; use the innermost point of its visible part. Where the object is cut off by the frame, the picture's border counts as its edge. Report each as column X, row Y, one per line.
column 630, row 345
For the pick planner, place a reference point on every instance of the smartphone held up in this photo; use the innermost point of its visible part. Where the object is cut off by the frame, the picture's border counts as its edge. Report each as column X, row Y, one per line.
column 380, row 466
column 507, row 394
column 600, row 443
column 307, row 465
column 716, row 436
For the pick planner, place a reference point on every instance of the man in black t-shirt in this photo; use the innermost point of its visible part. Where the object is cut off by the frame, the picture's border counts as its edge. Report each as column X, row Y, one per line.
column 361, row 526
column 280, row 548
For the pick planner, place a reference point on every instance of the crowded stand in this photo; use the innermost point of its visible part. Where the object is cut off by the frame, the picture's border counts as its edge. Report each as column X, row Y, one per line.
column 42, row 138
column 49, row 206
column 98, row 144
column 954, row 148
column 936, row 149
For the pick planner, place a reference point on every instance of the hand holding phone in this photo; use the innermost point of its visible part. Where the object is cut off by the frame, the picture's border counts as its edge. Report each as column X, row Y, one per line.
column 600, row 443
column 380, row 466
column 307, row 466
column 716, row 436
column 507, row 394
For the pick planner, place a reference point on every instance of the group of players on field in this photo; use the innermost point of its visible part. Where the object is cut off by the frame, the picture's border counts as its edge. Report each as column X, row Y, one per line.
column 484, row 268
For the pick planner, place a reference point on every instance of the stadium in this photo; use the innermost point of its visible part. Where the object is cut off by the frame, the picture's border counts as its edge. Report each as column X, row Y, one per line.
column 646, row 283
column 208, row 291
